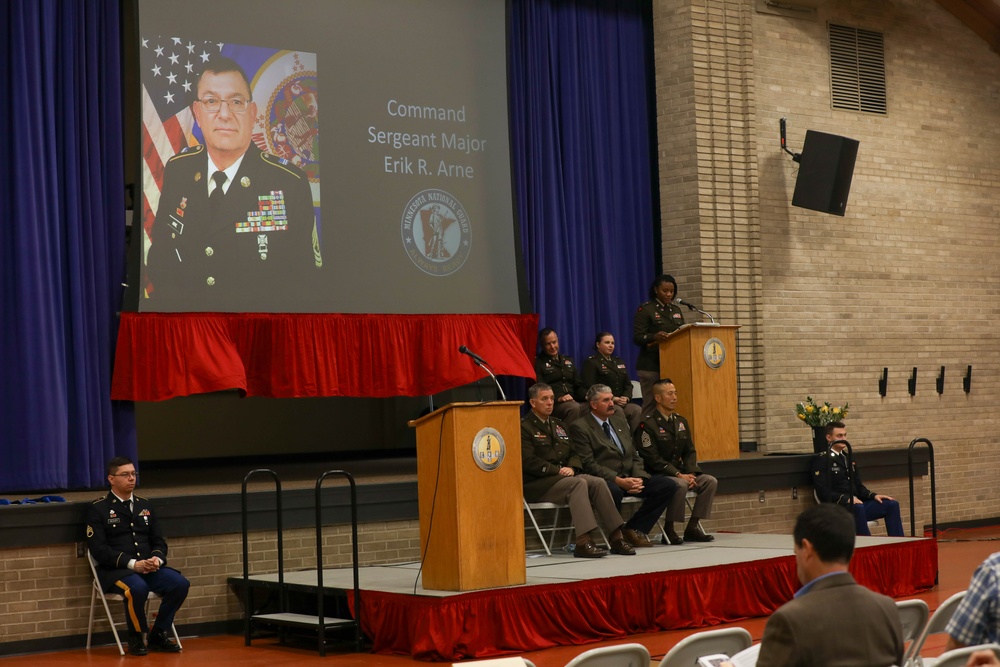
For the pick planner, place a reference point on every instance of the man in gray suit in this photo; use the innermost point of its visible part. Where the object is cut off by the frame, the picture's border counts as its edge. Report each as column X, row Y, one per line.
column 832, row 620
column 603, row 442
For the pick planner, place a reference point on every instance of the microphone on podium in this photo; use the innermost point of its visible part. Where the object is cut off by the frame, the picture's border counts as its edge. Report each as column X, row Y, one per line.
column 475, row 357
column 479, row 361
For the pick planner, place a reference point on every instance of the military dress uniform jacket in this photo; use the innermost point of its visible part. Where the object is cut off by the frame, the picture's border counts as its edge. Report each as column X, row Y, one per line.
column 116, row 535
column 610, row 371
column 255, row 250
column 830, row 479
column 600, row 455
column 665, row 444
column 651, row 318
column 559, row 372
column 545, row 448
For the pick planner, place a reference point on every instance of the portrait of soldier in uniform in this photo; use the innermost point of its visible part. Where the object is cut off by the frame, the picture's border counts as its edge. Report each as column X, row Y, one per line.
column 235, row 229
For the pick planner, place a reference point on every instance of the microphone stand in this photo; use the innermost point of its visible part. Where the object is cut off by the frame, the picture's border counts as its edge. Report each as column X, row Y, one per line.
column 486, row 368
column 685, row 303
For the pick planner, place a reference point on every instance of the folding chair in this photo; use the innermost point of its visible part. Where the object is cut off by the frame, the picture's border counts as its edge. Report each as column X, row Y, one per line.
column 960, row 656
column 728, row 641
column 496, row 662
column 551, row 528
column 913, row 614
column 937, row 623
column 623, row 655
column 96, row 591
column 629, row 500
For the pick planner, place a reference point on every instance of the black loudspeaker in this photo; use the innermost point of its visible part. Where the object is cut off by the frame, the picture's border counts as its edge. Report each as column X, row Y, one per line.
column 825, row 172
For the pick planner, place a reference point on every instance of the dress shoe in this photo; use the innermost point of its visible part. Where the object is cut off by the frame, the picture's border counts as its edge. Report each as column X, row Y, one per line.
column 635, row 538
column 135, row 644
column 158, row 641
column 696, row 535
column 589, row 550
column 622, row 548
column 670, row 536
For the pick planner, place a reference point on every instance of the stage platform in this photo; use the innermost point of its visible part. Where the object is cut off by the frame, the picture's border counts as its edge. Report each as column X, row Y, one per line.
column 571, row 601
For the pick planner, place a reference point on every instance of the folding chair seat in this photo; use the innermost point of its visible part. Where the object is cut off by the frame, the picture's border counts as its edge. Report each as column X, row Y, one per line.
column 96, row 591
column 550, row 528
column 937, row 623
column 727, row 641
column 913, row 615
column 622, row 655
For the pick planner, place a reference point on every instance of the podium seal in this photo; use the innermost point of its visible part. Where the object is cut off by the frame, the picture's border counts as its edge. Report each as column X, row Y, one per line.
column 714, row 353
column 488, row 449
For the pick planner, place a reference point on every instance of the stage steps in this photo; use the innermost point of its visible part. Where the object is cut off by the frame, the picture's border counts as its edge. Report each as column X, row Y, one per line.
column 285, row 619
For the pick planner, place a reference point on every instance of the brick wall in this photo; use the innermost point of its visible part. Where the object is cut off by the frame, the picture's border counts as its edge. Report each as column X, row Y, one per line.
column 904, row 279
column 45, row 591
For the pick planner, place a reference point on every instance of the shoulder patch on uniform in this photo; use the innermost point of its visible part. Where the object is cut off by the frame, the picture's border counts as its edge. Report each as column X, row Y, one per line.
column 280, row 163
column 188, row 152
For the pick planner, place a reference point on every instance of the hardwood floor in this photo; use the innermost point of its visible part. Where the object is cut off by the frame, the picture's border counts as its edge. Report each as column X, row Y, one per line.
column 960, row 552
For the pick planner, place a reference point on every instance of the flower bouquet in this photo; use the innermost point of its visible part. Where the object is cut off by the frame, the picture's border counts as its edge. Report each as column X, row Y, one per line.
column 815, row 414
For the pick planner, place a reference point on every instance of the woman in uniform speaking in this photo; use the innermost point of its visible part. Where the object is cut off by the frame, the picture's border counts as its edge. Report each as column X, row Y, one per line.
column 653, row 322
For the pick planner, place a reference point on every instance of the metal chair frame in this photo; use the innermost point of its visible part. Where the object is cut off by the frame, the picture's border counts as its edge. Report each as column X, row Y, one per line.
column 96, row 591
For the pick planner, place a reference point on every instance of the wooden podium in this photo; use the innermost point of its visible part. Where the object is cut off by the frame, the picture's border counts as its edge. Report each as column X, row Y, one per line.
column 477, row 531
column 701, row 360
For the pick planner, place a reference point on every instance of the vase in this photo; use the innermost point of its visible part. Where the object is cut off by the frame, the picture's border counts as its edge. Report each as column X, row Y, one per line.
column 819, row 439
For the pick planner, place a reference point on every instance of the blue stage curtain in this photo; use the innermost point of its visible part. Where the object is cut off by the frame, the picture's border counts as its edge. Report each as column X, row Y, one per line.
column 583, row 152
column 61, row 243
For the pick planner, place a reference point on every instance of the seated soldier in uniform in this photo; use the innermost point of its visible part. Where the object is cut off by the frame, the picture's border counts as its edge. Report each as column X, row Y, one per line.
column 123, row 536
column 835, row 485
column 665, row 445
column 559, row 372
column 553, row 474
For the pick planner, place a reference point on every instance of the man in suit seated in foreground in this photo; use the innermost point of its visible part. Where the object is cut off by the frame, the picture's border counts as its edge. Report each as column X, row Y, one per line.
column 604, row 443
column 832, row 620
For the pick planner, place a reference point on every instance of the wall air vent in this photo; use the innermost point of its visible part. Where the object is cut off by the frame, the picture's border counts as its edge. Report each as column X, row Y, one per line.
column 857, row 69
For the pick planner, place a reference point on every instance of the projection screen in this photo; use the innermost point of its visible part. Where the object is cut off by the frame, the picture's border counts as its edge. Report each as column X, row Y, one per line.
column 361, row 166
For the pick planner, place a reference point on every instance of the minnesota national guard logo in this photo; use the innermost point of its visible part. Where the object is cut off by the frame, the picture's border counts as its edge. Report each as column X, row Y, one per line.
column 488, row 449
column 436, row 232
column 714, row 353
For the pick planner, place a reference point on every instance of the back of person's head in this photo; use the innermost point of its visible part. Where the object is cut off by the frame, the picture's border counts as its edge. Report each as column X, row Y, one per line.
column 117, row 462
column 830, row 530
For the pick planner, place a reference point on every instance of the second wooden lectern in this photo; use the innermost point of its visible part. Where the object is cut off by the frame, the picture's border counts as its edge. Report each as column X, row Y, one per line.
column 701, row 360
column 473, row 489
